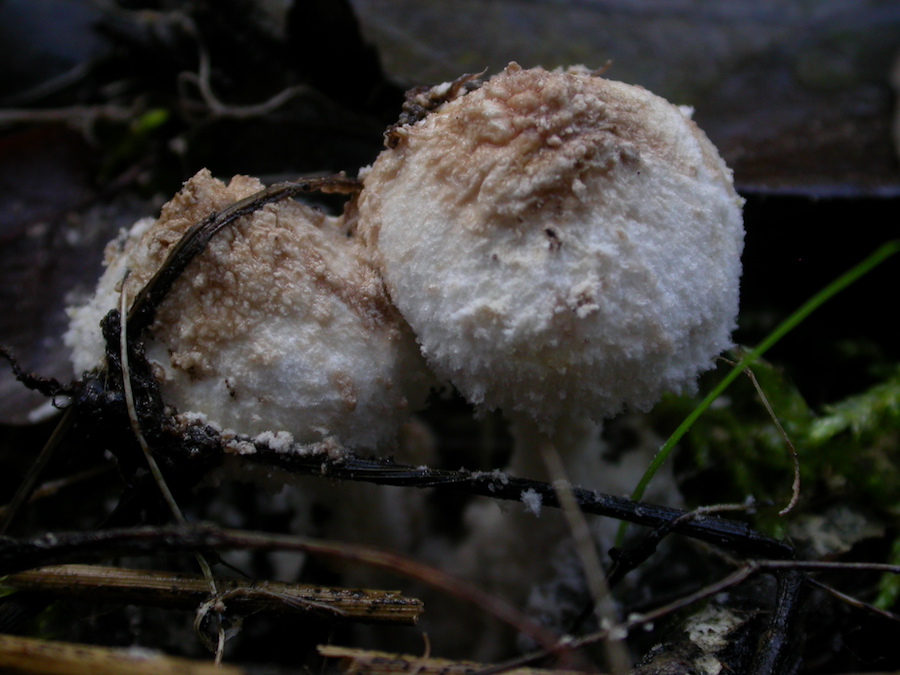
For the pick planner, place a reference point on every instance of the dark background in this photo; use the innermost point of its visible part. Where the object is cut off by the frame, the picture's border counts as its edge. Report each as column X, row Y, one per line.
column 106, row 107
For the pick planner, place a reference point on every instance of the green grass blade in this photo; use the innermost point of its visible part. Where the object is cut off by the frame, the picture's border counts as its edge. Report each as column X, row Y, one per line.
column 847, row 279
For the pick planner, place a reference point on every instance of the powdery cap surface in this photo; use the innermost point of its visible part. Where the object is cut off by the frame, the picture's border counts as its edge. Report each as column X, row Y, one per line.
column 559, row 243
column 281, row 325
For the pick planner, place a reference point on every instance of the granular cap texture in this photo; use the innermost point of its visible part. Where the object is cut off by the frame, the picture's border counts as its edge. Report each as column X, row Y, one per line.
column 280, row 325
column 561, row 244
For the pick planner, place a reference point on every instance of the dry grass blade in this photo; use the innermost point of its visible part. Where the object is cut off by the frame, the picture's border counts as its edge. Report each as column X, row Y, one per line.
column 17, row 555
column 795, row 458
column 96, row 583
column 617, row 656
column 158, row 477
column 365, row 662
column 28, row 655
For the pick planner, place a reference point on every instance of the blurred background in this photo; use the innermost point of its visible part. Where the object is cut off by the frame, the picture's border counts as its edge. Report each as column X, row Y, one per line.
column 107, row 106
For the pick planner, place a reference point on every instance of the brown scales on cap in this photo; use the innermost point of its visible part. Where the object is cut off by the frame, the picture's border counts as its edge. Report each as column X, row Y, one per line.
column 633, row 295
column 280, row 324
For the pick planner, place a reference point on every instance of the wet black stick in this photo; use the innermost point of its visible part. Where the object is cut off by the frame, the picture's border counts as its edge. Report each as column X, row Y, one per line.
column 732, row 535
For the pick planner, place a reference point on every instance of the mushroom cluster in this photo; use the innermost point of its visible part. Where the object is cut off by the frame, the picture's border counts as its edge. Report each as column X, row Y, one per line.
column 561, row 246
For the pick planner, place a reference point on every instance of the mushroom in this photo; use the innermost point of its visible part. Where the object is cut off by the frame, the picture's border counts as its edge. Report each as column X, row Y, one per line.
column 564, row 247
column 280, row 331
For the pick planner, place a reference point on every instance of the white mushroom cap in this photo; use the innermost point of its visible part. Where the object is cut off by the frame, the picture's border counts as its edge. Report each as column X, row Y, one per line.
column 281, row 325
column 560, row 243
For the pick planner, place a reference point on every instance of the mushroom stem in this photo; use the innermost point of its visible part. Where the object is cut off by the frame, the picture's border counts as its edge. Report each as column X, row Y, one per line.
column 578, row 442
column 496, row 538
column 556, row 581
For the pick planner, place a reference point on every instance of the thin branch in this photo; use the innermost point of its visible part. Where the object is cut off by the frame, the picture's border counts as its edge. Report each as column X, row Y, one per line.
column 855, row 602
column 795, row 458
column 614, row 649
column 627, row 560
column 732, row 535
column 47, row 386
column 18, row 555
column 50, row 388
column 53, row 487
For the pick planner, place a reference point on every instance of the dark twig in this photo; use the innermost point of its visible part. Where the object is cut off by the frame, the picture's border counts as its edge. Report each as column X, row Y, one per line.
column 196, row 239
column 47, row 386
column 777, row 652
column 733, row 535
column 53, row 487
column 855, row 602
column 627, row 560
column 50, row 388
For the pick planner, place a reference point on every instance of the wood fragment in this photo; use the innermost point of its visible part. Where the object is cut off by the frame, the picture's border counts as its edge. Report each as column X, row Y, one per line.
column 366, row 662
column 94, row 583
column 30, row 655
